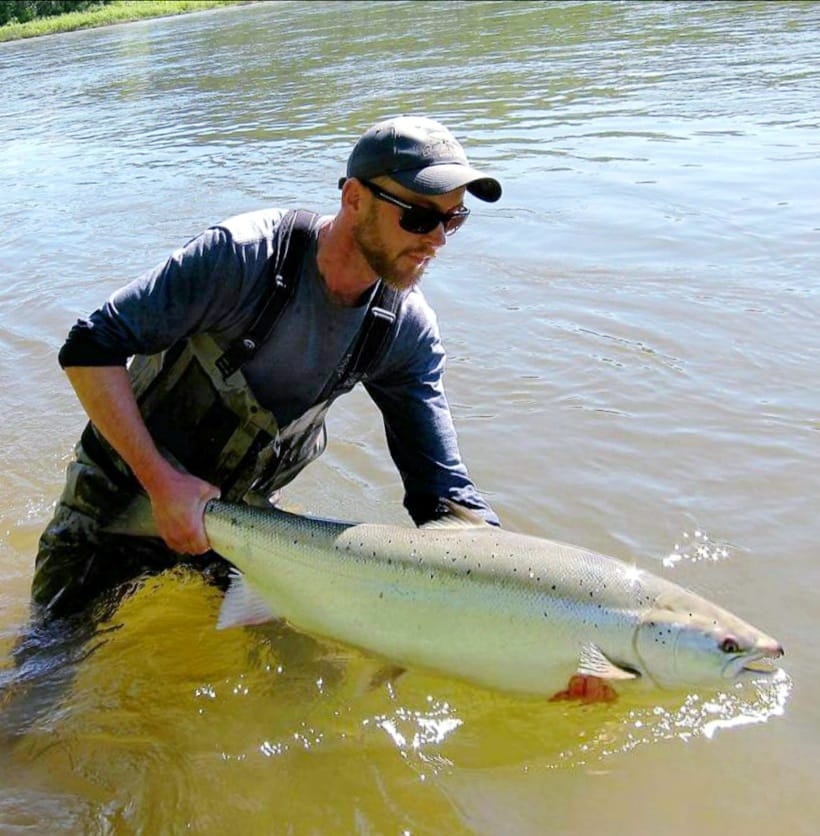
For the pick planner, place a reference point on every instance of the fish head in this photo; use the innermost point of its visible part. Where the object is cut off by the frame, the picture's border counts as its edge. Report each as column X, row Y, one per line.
column 684, row 640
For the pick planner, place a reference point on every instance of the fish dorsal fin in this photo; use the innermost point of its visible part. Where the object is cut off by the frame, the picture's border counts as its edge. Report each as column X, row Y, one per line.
column 456, row 516
column 593, row 662
column 243, row 605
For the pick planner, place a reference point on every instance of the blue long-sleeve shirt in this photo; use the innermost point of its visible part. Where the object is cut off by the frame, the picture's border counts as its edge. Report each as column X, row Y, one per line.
column 216, row 284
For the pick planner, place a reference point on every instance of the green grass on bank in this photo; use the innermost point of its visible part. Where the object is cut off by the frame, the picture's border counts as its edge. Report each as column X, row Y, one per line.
column 119, row 11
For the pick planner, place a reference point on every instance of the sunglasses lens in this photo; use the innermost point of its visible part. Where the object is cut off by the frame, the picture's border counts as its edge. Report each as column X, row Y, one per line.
column 419, row 221
column 455, row 222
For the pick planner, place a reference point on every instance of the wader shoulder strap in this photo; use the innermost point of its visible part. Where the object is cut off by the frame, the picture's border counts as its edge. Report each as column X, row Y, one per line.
column 369, row 343
column 282, row 273
column 373, row 336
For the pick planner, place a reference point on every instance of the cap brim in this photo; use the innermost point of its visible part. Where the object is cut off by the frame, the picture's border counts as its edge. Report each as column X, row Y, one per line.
column 443, row 178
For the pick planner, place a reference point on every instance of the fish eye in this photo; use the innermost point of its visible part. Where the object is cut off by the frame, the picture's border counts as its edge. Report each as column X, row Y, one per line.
column 730, row 645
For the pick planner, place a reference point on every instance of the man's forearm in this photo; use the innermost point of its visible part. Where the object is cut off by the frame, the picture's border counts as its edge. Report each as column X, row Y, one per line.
column 177, row 499
column 107, row 397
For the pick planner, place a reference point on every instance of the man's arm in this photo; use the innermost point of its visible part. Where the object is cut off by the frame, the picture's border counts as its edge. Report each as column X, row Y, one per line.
column 177, row 499
column 408, row 388
column 188, row 292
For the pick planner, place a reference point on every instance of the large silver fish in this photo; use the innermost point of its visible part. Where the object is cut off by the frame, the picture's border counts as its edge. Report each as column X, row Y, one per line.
column 504, row 610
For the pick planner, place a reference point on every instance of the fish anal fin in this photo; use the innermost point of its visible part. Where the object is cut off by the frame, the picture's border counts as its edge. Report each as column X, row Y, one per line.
column 371, row 674
column 593, row 662
column 587, row 689
column 243, row 605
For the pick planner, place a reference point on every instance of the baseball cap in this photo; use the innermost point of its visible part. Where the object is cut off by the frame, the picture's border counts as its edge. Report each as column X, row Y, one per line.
column 421, row 155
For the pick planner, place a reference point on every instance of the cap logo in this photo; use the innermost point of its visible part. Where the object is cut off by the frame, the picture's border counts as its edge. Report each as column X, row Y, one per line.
column 440, row 147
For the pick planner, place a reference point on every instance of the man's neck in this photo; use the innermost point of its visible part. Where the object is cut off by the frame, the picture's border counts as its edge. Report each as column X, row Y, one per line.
column 346, row 274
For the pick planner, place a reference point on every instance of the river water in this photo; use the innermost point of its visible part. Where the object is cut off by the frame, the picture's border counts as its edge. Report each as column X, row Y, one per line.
column 633, row 336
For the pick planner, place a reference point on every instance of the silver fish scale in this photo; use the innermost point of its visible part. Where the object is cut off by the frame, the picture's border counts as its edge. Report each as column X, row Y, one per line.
column 568, row 576
column 501, row 609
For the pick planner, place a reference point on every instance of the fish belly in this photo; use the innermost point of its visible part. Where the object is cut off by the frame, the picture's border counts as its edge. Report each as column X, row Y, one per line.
column 494, row 634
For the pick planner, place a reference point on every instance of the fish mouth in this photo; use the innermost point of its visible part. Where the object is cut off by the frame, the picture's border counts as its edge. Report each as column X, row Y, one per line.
column 761, row 662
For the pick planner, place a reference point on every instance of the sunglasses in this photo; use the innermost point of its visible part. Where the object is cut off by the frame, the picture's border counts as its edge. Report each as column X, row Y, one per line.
column 420, row 219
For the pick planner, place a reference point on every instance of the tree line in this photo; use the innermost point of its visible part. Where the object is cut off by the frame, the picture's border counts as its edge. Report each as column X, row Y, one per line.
column 22, row 11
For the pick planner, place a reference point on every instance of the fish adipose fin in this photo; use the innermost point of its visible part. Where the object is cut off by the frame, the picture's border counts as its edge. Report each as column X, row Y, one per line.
column 243, row 605
column 593, row 662
column 455, row 516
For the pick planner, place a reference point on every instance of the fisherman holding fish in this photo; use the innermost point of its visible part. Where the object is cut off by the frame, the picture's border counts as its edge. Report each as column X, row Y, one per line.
column 211, row 375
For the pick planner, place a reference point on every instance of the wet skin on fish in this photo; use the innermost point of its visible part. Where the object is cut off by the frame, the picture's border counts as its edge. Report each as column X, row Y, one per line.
column 503, row 610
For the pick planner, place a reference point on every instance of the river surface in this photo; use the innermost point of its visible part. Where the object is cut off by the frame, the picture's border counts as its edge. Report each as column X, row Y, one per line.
column 633, row 335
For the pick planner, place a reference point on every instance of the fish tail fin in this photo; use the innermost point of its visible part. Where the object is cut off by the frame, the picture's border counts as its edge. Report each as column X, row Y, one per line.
column 137, row 520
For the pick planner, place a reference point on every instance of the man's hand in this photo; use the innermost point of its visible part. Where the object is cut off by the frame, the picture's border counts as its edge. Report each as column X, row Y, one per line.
column 178, row 504
column 177, row 499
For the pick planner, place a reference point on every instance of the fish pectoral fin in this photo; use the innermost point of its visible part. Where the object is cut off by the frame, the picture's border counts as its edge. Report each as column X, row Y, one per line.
column 593, row 662
column 243, row 605
column 455, row 516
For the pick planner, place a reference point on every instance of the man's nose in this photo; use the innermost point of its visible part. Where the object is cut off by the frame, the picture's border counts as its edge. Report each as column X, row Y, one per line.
column 436, row 237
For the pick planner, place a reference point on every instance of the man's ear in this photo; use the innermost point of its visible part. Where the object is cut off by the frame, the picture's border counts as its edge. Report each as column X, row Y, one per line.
column 352, row 193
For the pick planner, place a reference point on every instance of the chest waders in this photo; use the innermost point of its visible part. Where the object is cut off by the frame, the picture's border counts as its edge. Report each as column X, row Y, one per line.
column 203, row 416
column 201, row 412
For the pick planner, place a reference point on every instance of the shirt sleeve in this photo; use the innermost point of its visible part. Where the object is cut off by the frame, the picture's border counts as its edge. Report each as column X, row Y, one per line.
column 409, row 391
column 186, row 294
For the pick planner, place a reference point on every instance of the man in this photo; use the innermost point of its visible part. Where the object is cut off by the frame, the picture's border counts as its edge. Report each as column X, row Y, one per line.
column 239, row 343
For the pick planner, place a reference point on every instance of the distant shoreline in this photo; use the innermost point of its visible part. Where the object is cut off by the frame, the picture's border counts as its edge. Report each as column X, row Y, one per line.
column 120, row 11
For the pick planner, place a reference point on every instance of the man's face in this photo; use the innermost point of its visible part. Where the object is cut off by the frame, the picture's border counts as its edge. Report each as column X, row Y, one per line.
column 397, row 256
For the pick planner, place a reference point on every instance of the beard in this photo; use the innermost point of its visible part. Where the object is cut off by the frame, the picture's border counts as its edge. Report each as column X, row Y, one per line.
column 387, row 267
